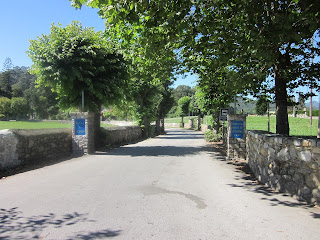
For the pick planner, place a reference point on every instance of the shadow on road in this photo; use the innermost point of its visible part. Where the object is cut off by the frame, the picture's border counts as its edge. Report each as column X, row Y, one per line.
column 186, row 134
column 156, row 151
column 249, row 182
column 14, row 225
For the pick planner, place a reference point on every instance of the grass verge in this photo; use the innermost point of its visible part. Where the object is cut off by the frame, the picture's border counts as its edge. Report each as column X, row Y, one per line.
column 38, row 124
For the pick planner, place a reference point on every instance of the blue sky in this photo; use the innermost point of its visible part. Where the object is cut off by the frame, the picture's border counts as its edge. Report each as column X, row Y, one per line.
column 22, row 20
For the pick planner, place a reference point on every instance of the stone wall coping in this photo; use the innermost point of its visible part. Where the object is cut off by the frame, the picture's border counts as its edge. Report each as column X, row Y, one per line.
column 39, row 132
column 120, row 128
column 288, row 140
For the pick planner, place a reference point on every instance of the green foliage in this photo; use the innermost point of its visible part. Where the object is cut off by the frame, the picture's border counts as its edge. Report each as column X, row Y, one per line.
column 184, row 106
column 119, row 112
column 19, row 108
column 75, row 59
column 5, row 107
column 261, row 105
column 253, row 39
column 212, row 136
column 182, row 91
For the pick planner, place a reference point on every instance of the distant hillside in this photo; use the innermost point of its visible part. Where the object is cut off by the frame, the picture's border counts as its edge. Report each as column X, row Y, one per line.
column 248, row 106
column 315, row 104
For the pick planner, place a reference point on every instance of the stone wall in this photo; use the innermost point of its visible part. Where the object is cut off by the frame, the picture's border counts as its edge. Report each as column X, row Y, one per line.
column 25, row 147
column 39, row 145
column 287, row 164
column 121, row 135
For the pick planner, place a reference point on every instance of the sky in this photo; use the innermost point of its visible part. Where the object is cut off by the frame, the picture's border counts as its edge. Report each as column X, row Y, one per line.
column 22, row 20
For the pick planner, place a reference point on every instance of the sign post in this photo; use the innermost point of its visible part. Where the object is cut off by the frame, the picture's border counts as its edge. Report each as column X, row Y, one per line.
column 80, row 134
column 223, row 117
column 236, row 142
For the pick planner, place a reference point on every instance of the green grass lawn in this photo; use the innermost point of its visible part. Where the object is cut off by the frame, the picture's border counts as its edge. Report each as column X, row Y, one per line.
column 37, row 125
column 298, row 126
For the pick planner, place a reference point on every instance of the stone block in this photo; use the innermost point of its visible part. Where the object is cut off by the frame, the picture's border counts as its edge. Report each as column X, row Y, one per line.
column 305, row 156
column 284, row 154
column 278, row 140
column 297, row 142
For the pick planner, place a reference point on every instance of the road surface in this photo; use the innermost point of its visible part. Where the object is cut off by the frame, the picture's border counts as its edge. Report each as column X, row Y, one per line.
column 174, row 186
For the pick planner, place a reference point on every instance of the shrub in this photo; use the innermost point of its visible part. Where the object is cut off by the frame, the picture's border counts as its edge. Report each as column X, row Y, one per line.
column 212, row 136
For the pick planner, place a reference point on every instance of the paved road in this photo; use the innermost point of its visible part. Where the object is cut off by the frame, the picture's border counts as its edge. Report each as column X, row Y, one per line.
column 170, row 187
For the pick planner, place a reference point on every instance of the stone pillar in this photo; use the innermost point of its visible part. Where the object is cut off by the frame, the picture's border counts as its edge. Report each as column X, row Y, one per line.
column 191, row 123
column 199, row 123
column 82, row 133
column 236, row 140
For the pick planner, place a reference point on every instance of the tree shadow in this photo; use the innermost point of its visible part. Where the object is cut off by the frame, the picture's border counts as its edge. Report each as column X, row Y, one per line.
column 96, row 235
column 182, row 135
column 14, row 225
column 249, row 182
column 35, row 165
column 155, row 151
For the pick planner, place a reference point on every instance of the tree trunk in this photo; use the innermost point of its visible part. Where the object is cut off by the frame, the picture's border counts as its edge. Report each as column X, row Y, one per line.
column 91, row 133
column 162, row 125
column 146, row 130
column 216, row 121
column 282, row 123
column 158, row 128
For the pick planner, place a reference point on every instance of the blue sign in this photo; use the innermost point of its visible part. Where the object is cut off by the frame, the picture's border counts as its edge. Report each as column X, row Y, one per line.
column 80, row 126
column 237, row 129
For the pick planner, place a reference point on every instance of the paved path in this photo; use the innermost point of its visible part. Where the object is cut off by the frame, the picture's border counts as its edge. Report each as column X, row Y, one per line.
column 170, row 187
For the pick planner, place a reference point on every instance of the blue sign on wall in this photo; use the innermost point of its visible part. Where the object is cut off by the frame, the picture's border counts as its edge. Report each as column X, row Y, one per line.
column 80, row 126
column 237, row 129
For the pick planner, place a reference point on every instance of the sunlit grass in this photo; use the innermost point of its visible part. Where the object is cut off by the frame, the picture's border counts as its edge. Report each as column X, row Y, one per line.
column 38, row 124
column 298, row 126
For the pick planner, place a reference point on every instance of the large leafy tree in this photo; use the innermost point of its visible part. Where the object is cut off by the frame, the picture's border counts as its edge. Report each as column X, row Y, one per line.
column 151, row 70
column 75, row 59
column 264, row 39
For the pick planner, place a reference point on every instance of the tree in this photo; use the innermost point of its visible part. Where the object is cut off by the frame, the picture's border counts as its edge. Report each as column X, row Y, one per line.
column 165, row 103
column 5, row 108
column 19, row 108
column 184, row 107
column 6, row 78
column 75, row 59
column 264, row 39
column 301, row 103
column 261, row 105
column 182, row 91
column 7, row 65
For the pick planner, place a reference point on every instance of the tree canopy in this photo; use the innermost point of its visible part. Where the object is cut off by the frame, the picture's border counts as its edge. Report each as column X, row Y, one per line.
column 73, row 59
column 267, row 44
